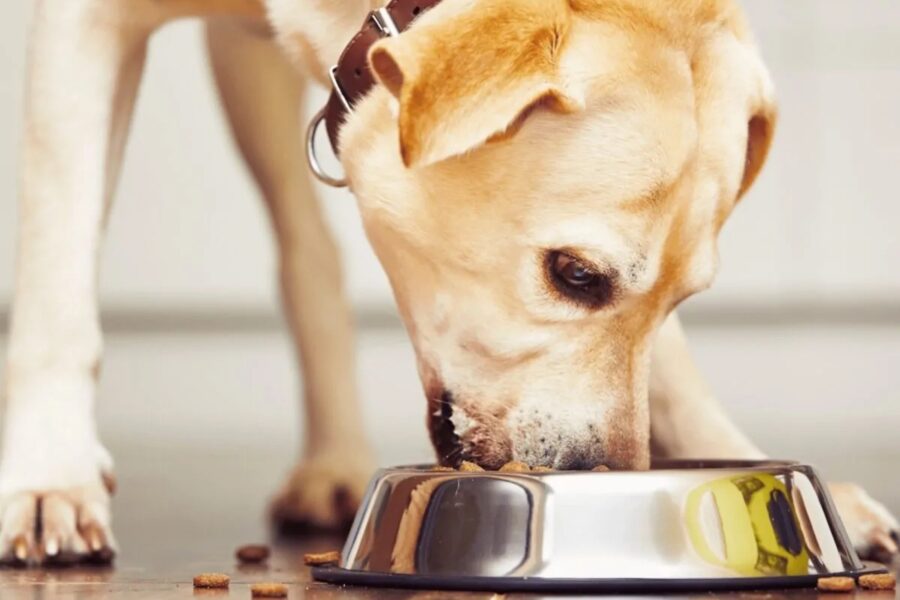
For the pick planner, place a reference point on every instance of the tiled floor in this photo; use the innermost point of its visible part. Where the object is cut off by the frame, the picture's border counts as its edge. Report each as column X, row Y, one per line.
column 202, row 427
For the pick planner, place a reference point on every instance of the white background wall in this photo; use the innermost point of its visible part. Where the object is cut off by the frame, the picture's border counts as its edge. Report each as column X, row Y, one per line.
column 189, row 238
column 188, row 232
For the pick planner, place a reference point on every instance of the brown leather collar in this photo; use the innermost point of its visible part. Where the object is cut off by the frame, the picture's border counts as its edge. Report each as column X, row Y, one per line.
column 351, row 78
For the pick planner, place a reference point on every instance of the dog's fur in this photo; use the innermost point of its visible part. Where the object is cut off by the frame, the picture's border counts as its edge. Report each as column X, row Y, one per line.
column 618, row 131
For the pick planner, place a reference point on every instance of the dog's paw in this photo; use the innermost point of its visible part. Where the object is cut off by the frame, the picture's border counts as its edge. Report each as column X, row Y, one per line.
column 873, row 530
column 321, row 494
column 57, row 526
column 55, row 475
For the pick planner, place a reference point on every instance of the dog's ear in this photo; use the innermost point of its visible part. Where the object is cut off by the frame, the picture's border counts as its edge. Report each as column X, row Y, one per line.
column 472, row 72
column 737, row 97
column 760, row 130
column 763, row 115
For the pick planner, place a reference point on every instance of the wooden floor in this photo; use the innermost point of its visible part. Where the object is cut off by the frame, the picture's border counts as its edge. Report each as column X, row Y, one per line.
column 203, row 429
column 179, row 513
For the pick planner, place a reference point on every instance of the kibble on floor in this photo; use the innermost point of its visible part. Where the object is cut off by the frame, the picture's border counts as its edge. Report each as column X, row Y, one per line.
column 211, row 580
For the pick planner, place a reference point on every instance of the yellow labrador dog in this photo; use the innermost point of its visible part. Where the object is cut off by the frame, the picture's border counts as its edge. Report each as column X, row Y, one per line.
column 543, row 181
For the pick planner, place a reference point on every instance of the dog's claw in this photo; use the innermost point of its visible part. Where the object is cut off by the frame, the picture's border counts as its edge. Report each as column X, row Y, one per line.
column 21, row 548
column 99, row 550
column 51, row 547
column 56, row 527
column 93, row 538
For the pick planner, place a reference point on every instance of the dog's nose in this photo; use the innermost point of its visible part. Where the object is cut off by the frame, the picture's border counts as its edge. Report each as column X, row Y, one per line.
column 443, row 433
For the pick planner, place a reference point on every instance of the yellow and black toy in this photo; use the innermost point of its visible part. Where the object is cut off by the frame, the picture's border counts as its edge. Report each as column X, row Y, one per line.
column 758, row 532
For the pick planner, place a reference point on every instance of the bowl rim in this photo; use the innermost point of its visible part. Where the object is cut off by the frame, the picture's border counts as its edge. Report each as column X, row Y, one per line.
column 658, row 466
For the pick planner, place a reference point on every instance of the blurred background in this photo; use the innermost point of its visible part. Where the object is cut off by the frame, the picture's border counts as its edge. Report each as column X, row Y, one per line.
column 800, row 336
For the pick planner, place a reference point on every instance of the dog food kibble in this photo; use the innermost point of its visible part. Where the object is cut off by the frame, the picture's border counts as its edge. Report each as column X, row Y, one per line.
column 469, row 467
column 600, row 469
column 442, row 469
column 515, row 467
column 315, row 559
column 836, row 584
column 541, row 470
column 211, row 580
column 252, row 553
column 878, row 581
column 268, row 590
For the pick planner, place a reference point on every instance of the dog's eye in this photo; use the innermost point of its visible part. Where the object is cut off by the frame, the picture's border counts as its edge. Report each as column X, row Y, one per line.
column 578, row 281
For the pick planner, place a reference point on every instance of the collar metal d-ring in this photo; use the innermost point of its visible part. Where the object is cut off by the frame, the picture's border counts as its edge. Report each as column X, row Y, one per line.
column 313, row 159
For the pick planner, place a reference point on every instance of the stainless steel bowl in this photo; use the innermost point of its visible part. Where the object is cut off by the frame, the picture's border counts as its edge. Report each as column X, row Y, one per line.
column 680, row 526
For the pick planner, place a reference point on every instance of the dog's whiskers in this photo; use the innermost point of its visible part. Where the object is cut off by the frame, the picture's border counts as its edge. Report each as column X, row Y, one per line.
column 452, row 455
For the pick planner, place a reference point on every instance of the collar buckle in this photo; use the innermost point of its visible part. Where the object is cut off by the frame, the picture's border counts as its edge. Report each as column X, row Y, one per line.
column 384, row 23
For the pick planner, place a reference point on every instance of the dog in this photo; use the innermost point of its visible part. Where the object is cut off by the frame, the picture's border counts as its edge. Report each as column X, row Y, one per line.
column 543, row 181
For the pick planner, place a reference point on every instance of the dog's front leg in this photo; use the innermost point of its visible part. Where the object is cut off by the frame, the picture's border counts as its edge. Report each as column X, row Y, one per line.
column 686, row 421
column 55, row 476
column 262, row 94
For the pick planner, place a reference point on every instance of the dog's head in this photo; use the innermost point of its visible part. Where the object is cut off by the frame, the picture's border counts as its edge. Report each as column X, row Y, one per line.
column 544, row 181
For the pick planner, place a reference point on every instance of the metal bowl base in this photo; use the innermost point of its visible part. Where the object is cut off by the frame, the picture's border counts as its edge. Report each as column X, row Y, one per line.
column 339, row 576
